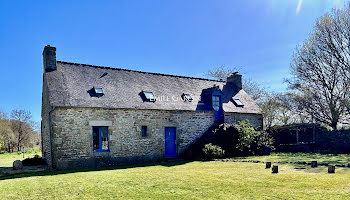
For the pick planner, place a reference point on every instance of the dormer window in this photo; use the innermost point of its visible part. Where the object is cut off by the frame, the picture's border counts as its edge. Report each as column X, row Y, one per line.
column 149, row 96
column 237, row 102
column 98, row 91
column 216, row 102
column 186, row 97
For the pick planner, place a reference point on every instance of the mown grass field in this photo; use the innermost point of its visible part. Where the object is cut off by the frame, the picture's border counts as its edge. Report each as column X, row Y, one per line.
column 181, row 180
column 307, row 157
column 6, row 159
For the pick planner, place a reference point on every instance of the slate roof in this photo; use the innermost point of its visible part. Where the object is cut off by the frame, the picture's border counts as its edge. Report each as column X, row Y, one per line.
column 70, row 84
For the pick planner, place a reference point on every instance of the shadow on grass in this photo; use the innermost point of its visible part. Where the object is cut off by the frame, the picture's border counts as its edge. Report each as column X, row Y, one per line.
column 58, row 172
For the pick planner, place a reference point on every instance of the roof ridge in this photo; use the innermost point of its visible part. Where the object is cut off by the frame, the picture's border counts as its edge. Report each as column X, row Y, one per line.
column 129, row 70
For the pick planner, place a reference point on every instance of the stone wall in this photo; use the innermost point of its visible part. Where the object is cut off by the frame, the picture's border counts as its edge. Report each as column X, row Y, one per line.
column 72, row 134
column 254, row 119
column 45, row 128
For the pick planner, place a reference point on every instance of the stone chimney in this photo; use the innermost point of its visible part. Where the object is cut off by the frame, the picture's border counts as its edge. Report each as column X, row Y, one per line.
column 236, row 79
column 49, row 56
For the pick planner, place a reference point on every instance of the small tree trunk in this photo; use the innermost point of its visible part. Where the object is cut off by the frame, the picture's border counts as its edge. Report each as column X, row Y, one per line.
column 334, row 125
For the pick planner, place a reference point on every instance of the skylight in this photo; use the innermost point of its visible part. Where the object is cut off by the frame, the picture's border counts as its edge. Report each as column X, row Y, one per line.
column 186, row 97
column 237, row 102
column 149, row 96
column 98, row 90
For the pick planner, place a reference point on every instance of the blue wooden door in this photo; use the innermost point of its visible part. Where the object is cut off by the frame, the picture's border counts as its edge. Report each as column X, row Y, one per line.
column 170, row 142
column 219, row 115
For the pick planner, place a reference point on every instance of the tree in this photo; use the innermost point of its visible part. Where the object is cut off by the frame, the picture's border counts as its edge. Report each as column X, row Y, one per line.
column 221, row 73
column 269, row 106
column 6, row 134
column 321, row 70
column 21, row 127
column 251, row 87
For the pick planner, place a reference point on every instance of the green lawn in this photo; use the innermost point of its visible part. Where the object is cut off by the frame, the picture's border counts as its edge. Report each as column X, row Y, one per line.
column 307, row 157
column 192, row 180
column 6, row 159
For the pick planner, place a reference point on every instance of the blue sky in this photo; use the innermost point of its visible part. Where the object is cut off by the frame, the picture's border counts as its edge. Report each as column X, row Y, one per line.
column 175, row 37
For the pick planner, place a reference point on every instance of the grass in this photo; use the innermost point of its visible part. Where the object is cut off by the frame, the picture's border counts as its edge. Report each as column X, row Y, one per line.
column 6, row 159
column 307, row 157
column 193, row 180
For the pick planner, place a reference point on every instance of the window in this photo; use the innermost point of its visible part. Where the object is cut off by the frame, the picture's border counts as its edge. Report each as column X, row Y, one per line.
column 98, row 90
column 144, row 131
column 100, row 138
column 186, row 97
column 216, row 102
column 238, row 102
column 149, row 96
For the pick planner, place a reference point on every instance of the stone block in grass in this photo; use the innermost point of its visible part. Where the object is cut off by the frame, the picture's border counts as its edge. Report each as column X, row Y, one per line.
column 313, row 164
column 268, row 165
column 331, row 169
column 275, row 169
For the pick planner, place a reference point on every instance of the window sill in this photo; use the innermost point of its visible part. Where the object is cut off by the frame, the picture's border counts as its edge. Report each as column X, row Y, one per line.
column 99, row 151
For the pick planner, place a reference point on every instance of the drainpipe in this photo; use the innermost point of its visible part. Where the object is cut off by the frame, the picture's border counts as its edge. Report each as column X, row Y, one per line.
column 50, row 134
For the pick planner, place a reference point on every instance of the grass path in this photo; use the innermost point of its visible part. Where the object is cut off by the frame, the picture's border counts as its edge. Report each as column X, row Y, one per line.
column 194, row 180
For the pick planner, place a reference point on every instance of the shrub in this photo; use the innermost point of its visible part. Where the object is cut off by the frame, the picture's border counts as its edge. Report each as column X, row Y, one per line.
column 252, row 142
column 36, row 160
column 242, row 139
column 234, row 139
column 213, row 151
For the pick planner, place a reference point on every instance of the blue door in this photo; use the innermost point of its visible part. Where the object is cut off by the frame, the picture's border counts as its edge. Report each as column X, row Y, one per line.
column 170, row 142
column 219, row 115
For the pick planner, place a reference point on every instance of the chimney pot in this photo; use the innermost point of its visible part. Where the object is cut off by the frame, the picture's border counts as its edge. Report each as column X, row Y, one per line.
column 49, row 58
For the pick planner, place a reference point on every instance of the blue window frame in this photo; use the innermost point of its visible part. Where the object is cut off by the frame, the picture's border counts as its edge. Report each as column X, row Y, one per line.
column 100, row 139
column 144, row 131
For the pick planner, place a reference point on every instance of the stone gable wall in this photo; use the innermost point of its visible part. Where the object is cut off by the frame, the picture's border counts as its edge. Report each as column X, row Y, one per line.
column 72, row 134
column 45, row 127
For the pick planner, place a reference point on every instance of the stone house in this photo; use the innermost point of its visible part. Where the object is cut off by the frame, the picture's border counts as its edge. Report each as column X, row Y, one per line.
column 99, row 116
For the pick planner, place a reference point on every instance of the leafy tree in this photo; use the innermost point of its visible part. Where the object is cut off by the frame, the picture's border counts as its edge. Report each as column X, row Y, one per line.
column 321, row 70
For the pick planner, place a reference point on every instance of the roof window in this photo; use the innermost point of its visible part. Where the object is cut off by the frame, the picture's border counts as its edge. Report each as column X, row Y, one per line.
column 186, row 97
column 149, row 96
column 237, row 102
column 98, row 90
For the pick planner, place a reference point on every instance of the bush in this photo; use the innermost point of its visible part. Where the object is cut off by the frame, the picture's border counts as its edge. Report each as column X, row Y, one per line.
column 242, row 139
column 234, row 139
column 252, row 142
column 36, row 160
column 213, row 151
